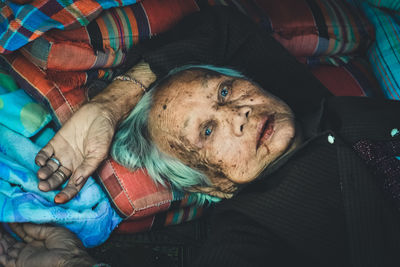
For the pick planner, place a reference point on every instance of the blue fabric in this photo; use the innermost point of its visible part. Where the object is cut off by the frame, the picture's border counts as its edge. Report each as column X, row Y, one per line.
column 89, row 214
column 21, row 113
column 24, row 129
column 384, row 54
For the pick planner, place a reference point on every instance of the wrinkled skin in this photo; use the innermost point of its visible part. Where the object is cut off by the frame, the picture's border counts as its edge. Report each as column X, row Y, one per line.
column 42, row 246
column 216, row 124
column 80, row 146
column 83, row 142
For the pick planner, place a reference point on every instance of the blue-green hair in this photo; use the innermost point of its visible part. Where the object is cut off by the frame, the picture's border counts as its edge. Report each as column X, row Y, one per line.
column 133, row 148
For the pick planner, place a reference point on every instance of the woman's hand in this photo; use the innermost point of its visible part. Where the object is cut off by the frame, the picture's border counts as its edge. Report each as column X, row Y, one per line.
column 79, row 147
column 42, row 246
column 83, row 142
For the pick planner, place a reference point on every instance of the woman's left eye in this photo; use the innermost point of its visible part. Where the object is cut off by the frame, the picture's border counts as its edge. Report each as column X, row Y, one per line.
column 224, row 92
column 207, row 131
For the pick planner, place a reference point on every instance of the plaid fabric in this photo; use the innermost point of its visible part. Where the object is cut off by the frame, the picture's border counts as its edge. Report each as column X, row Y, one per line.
column 20, row 24
column 134, row 194
column 354, row 78
column 61, row 91
column 104, row 42
column 151, row 206
column 390, row 4
column 384, row 54
column 310, row 27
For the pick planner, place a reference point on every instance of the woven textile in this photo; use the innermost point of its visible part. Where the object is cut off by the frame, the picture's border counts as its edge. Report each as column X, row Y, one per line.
column 18, row 111
column 20, row 24
column 142, row 202
column 104, row 42
column 310, row 27
column 135, row 196
column 354, row 78
column 390, row 4
column 384, row 54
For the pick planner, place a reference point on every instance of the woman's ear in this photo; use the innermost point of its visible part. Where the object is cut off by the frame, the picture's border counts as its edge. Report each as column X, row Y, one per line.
column 221, row 187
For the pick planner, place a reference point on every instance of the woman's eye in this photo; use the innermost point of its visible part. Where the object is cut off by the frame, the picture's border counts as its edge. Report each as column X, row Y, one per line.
column 207, row 131
column 224, row 92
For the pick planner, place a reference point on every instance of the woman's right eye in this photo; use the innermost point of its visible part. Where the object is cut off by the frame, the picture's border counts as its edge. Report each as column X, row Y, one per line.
column 207, row 132
column 208, row 129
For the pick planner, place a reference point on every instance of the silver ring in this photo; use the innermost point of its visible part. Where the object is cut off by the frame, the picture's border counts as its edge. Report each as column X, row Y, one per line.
column 64, row 177
column 56, row 161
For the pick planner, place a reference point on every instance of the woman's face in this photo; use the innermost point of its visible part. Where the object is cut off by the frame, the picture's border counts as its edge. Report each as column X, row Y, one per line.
column 224, row 126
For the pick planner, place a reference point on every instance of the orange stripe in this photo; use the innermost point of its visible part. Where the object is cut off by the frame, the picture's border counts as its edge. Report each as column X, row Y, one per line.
column 133, row 24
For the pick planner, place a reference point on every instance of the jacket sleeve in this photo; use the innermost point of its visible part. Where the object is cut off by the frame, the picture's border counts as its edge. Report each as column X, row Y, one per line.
column 237, row 241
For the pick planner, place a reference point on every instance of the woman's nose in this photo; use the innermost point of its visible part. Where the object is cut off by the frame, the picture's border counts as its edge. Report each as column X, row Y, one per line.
column 240, row 119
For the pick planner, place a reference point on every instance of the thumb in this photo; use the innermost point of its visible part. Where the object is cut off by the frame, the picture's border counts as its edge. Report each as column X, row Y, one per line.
column 84, row 170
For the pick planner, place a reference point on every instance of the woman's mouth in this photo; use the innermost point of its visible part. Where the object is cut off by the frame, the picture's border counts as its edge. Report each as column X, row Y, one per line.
column 266, row 129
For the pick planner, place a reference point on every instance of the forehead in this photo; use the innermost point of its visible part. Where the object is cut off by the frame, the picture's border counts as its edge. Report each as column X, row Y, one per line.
column 189, row 81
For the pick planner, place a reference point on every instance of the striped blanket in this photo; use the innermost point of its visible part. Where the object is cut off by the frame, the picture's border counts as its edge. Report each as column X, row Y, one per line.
column 20, row 24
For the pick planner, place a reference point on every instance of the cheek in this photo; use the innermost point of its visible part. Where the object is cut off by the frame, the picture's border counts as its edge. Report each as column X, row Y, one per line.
column 232, row 154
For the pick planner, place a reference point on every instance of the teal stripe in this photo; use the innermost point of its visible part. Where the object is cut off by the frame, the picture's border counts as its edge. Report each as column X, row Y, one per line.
column 177, row 217
column 109, row 22
column 351, row 42
column 128, row 32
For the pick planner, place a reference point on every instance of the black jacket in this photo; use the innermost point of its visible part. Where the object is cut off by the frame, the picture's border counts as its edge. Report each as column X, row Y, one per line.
column 321, row 205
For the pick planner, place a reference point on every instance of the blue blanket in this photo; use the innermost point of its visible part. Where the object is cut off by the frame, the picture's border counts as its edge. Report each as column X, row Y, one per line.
column 89, row 214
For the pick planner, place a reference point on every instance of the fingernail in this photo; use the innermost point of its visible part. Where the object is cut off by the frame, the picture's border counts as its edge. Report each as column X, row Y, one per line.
column 43, row 187
column 59, row 199
column 78, row 181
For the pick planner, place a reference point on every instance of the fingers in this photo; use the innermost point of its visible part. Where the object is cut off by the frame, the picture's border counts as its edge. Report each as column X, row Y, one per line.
column 44, row 155
column 19, row 230
column 77, row 180
column 34, row 234
column 49, row 236
column 57, row 178
column 67, row 193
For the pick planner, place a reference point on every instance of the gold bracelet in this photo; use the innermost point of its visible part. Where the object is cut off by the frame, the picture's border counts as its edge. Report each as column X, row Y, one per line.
column 130, row 79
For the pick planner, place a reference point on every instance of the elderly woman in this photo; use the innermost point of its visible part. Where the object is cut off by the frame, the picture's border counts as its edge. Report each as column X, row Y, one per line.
column 312, row 179
column 206, row 129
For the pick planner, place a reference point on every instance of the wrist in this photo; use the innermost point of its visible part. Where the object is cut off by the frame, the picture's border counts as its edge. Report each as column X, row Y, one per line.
column 117, row 100
column 142, row 73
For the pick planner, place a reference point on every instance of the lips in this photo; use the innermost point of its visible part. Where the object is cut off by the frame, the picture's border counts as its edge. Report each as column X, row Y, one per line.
column 266, row 129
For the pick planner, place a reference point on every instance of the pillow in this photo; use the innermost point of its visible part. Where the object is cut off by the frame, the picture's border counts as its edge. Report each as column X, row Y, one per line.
column 104, row 42
column 384, row 54
column 143, row 203
column 310, row 27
